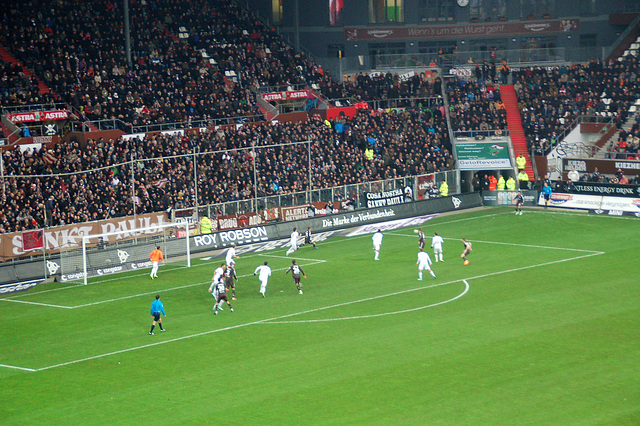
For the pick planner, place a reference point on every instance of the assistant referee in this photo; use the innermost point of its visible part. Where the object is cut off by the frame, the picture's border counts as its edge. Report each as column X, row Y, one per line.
column 157, row 308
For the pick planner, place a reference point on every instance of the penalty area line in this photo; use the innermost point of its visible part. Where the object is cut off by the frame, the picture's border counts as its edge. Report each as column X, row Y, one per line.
column 26, row 302
column 204, row 333
column 15, row 367
column 133, row 296
column 277, row 319
column 383, row 314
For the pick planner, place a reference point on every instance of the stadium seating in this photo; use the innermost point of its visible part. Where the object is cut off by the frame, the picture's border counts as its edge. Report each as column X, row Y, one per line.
column 406, row 142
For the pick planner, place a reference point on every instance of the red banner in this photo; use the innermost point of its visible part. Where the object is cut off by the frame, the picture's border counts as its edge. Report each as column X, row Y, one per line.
column 284, row 96
column 233, row 221
column 26, row 117
column 32, row 240
column 425, row 183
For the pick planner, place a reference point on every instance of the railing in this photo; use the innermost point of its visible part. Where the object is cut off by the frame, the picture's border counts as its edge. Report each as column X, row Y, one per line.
column 574, row 149
column 116, row 124
column 107, row 124
column 354, row 192
column 190, row 124
column 426, row 102
column 466, row 58
column 480, row 134
column 34, row 107
column 281, row 88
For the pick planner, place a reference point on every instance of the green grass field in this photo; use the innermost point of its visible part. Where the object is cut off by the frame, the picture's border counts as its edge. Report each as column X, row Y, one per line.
column 541, row 328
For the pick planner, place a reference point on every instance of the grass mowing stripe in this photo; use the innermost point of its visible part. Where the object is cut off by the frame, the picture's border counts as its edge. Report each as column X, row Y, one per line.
column 559, row 340
column 464, row 292
column 325, row 308
column 315, row 261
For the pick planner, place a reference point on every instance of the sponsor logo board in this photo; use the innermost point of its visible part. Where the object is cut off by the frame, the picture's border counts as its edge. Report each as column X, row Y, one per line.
column 16, row 287
column 390, row 225
column 228, row 238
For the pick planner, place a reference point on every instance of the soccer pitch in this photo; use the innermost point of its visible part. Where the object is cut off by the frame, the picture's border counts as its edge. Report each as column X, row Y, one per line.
column 540, row 328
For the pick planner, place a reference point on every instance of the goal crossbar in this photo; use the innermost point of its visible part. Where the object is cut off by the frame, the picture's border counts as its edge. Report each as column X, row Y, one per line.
column 125, row 250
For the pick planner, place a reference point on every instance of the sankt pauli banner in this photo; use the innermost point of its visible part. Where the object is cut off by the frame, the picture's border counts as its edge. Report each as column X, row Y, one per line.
column 62, row 237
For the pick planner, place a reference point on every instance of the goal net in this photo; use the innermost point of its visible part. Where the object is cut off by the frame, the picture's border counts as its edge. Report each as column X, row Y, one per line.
column 124, row 250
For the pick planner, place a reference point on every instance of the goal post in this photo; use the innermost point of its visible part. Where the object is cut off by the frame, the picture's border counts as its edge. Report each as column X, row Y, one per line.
column 125, row 250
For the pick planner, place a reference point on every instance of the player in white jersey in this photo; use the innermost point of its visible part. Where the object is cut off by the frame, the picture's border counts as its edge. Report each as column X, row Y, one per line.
column 377, row 243
column 263, row 272
column 231, row 254
column 436, row 243
column 294, row 241
column 424, row 262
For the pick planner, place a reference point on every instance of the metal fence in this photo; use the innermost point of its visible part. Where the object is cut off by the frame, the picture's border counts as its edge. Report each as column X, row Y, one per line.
column 354, row 193
column 470, row 57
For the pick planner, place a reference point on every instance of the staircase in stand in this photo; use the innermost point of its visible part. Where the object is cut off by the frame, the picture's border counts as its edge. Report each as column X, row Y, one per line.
column 10, row 59
column 514, row 124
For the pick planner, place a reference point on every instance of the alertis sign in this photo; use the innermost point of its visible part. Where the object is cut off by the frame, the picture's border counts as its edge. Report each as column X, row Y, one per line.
column 483, row 155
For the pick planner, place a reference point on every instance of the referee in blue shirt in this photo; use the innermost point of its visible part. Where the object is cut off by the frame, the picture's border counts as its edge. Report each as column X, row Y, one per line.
column 157, row 308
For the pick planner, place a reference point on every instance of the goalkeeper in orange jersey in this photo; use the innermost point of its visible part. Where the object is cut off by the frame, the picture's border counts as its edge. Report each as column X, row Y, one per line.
column 155, row 256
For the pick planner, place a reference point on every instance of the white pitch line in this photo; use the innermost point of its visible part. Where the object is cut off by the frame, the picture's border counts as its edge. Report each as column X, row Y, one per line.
column 135, row 348
column 204, row 333
column 37, row 303
column 404, row 311
column 15, row 367
column 505, row 244
column 532, row 246
column 133, row 296
column 18, row 296
column 267, row 320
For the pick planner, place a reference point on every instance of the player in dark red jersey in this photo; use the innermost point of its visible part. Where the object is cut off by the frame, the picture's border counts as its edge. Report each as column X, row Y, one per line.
column 467, row 250
column 296, row 271
column 420, row 239
column 519, row 200
column 307, row 238
column 230, row 279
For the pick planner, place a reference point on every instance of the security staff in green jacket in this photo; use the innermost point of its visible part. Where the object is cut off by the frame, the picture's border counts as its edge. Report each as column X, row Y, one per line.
column 205, row 225
column 523, row 177
column 444, row 189
column 501, row 183
column 511, row 184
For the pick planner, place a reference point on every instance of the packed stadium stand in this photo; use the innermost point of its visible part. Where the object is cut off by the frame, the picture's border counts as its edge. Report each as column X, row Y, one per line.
column 196, row 62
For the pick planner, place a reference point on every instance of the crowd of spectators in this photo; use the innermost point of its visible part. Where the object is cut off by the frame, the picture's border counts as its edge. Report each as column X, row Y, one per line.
column 382, row 86
column 550, row 99
column 77, row 49
column 16, row 88
column 77, row 183
column 628, row 142
column 475, row 105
